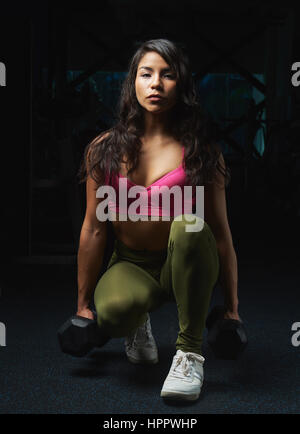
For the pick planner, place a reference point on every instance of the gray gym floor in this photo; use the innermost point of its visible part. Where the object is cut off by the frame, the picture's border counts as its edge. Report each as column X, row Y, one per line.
column 35, row 377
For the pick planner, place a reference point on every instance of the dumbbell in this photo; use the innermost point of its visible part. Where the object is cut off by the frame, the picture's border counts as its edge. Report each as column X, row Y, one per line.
column 78, row 335
column 226, row 337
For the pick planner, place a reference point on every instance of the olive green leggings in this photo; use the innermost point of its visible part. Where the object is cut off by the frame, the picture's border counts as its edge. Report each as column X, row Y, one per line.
column 139, row 281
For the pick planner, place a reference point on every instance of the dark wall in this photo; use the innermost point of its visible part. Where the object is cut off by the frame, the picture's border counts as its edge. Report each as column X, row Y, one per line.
column 15, row 137
column 34, row 34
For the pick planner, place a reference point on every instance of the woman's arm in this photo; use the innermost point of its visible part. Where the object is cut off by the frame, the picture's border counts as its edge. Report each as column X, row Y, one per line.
column 229, row 279
column 215, row 214
column 92, row 243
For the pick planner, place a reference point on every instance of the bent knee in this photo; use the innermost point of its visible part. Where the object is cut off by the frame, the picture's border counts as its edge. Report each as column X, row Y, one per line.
column 188, row 226
column 113, row 310
column 119, row 317
column 116, row 311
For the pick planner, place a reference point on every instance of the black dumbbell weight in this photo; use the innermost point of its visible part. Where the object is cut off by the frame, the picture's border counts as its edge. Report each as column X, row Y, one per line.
column 226, row 337
column 79, row 335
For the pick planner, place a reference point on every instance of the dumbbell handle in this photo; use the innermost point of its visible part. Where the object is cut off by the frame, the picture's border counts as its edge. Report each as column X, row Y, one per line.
column 217, row 314
column 99, row 338
column 227, row 337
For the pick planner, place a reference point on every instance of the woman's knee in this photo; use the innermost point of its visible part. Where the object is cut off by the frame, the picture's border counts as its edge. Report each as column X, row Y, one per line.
column 187, row 229
column 192, row 244
column 114, row 309
column 117, row 307
column 119, row 316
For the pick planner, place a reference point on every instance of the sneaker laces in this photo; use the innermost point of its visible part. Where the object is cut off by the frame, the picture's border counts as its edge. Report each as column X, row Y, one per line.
column 185, row 362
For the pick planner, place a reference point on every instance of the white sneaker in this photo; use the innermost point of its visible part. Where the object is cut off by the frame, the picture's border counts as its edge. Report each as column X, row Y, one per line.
column 185, row 377
column 140, row 346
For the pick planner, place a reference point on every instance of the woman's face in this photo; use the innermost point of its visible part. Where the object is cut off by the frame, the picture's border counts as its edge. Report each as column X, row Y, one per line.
column 154, row 76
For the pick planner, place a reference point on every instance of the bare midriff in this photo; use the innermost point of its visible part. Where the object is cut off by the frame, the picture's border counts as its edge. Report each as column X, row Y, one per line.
column 140, row 235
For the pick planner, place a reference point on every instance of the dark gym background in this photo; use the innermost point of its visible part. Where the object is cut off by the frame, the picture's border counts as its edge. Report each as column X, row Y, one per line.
column 64, row 67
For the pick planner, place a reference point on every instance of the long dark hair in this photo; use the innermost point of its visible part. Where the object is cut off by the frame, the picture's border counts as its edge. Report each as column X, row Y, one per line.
column 189, row 124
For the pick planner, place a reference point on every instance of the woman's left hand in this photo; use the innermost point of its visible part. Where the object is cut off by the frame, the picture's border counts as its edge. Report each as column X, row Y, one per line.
column 232, row 315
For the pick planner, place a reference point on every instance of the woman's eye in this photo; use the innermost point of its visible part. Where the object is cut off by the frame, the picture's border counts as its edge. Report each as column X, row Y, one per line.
column 165, row 75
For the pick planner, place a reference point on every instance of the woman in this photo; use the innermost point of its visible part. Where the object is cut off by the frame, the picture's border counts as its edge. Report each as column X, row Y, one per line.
column 160, row 140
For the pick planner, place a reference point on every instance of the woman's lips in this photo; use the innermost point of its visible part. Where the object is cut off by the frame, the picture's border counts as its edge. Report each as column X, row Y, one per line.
column 155, row 98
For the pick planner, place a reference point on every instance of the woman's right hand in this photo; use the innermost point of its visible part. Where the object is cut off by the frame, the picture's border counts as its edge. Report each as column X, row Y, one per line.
column 85, row 312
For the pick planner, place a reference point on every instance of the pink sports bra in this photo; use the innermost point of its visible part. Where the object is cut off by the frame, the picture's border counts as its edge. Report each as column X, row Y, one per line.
column 165, row 197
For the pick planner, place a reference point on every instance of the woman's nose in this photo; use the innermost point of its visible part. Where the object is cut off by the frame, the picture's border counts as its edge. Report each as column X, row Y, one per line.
column 156, row 81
